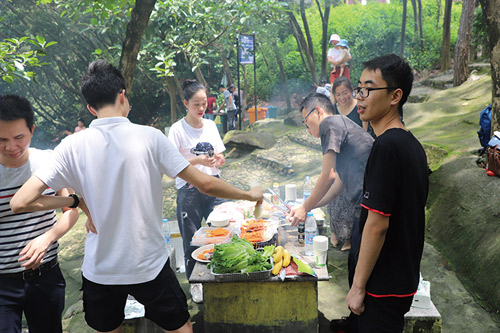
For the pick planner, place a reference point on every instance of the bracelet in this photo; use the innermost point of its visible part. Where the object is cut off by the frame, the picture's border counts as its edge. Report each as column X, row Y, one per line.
column 76, row 200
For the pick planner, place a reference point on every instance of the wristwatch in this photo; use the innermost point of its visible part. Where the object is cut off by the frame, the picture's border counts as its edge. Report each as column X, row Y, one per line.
column 76, row 200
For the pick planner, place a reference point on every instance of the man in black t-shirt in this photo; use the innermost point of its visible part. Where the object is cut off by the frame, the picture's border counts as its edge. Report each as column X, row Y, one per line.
column 395, row 189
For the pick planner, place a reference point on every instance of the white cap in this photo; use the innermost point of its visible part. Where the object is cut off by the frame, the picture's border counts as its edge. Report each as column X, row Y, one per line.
column 334, row 37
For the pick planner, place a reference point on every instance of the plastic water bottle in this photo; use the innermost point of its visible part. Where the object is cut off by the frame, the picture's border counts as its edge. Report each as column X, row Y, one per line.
column 166, row 233
column 310, row 232
column 307, row 189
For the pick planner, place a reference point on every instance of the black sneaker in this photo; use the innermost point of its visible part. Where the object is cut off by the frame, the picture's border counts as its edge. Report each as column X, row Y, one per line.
column 341, row 325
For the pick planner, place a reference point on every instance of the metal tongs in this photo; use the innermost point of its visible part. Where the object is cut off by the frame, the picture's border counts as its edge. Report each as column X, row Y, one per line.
column 282, row 205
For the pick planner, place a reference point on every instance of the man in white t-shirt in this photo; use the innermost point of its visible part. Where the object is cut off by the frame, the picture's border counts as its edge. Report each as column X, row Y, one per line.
column 117, row 166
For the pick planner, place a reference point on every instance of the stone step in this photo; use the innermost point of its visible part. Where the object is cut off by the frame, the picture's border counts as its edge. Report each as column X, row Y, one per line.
column 420, row 93
column 289, row 156
column 423, row 320
column 440, row 81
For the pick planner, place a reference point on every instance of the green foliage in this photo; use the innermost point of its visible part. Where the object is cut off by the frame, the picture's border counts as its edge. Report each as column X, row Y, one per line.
column 17, row 59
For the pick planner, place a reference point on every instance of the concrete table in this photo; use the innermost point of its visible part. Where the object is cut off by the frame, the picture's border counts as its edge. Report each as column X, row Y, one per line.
column 269, row 305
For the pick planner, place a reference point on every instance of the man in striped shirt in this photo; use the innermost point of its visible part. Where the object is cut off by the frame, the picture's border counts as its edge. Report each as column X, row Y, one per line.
column 34, row 286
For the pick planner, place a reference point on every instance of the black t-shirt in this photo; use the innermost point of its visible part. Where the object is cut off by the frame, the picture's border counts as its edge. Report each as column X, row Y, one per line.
column 352, row 144
column 396, row 184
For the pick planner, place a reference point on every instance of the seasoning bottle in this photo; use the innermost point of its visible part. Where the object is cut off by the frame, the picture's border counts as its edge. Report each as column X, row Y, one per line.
column 301, row 234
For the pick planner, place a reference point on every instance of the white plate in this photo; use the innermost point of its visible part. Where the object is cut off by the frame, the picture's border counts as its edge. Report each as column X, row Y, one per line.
column 200, row 250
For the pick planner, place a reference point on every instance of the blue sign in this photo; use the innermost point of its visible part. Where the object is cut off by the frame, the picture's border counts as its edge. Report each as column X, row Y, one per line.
column 247, row 51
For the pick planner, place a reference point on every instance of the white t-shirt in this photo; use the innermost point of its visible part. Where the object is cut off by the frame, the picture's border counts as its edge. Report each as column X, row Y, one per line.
column 228, row 94
column 185, row 138
column 324, row 90
column 117, row 166
column 336, row 55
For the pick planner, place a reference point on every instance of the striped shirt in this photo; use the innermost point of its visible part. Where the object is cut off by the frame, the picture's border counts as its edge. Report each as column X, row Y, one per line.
column 17, row 230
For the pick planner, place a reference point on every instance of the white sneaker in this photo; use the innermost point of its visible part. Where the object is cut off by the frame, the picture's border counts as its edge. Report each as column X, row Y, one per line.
column 196, row 290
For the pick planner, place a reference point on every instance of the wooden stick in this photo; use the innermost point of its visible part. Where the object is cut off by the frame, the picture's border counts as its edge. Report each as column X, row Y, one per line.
column 230, row 152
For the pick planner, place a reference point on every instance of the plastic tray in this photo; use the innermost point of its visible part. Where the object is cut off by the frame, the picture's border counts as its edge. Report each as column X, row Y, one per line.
column 200, row 238
column 229, row 277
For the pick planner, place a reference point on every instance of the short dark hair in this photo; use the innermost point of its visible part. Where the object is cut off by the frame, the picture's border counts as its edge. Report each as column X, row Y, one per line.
column 101, row 83
column 314, row 100
column 14, row 107
column 396, row 72
column 191, row 87
column 341, row 81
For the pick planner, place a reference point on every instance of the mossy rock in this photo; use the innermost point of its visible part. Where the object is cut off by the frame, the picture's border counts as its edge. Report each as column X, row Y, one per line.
column 463, row 211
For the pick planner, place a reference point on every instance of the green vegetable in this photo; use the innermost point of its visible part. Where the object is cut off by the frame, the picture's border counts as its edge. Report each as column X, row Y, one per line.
column 239, row 256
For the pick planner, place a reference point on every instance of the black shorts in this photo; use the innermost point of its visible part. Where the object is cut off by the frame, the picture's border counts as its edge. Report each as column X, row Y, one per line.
column 164, row 301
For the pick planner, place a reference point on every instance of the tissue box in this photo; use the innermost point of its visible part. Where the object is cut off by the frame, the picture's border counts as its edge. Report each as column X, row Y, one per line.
column 422, row 299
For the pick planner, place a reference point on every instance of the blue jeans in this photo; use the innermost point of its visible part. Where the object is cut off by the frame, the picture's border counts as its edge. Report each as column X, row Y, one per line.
column 41, row 299
column 192, row 207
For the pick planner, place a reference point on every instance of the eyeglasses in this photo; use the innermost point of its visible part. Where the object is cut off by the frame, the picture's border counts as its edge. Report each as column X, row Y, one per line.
column 305, row 118
column 364, row 92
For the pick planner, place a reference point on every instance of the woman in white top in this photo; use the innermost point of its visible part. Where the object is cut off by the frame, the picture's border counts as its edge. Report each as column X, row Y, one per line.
column 198, row 140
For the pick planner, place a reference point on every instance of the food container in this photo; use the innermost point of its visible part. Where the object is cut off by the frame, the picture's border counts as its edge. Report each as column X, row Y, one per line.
column 219, row 219
column 201, row 237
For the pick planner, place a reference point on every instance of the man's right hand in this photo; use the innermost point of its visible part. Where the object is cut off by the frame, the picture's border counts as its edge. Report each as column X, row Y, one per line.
column 256, row 194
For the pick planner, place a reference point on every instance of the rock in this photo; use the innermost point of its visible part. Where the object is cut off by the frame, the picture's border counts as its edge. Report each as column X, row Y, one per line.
column 463, row 224
column 294, row 118
column 250, row 139
column 420, row 93
column 75, row 308
column 440, row 81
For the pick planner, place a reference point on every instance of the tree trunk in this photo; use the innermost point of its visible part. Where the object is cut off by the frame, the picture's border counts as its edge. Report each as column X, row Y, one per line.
column 299, row 47
column 306, row 28
column 415, row 17
column 199, row 76
column 403, row 29
column 132, row 44
column 324, row 42
column 462, row 47
column 283, row 75
column 172, row 91
column 178, row 85
column 438, row 14
column 491, row 10
column 227, row 69
column 264, row 56
column 304, row 46
column 420, row 24
column 445, row 45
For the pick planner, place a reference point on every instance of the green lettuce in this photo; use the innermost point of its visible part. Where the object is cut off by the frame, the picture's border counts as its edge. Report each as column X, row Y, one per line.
column 239, row 256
